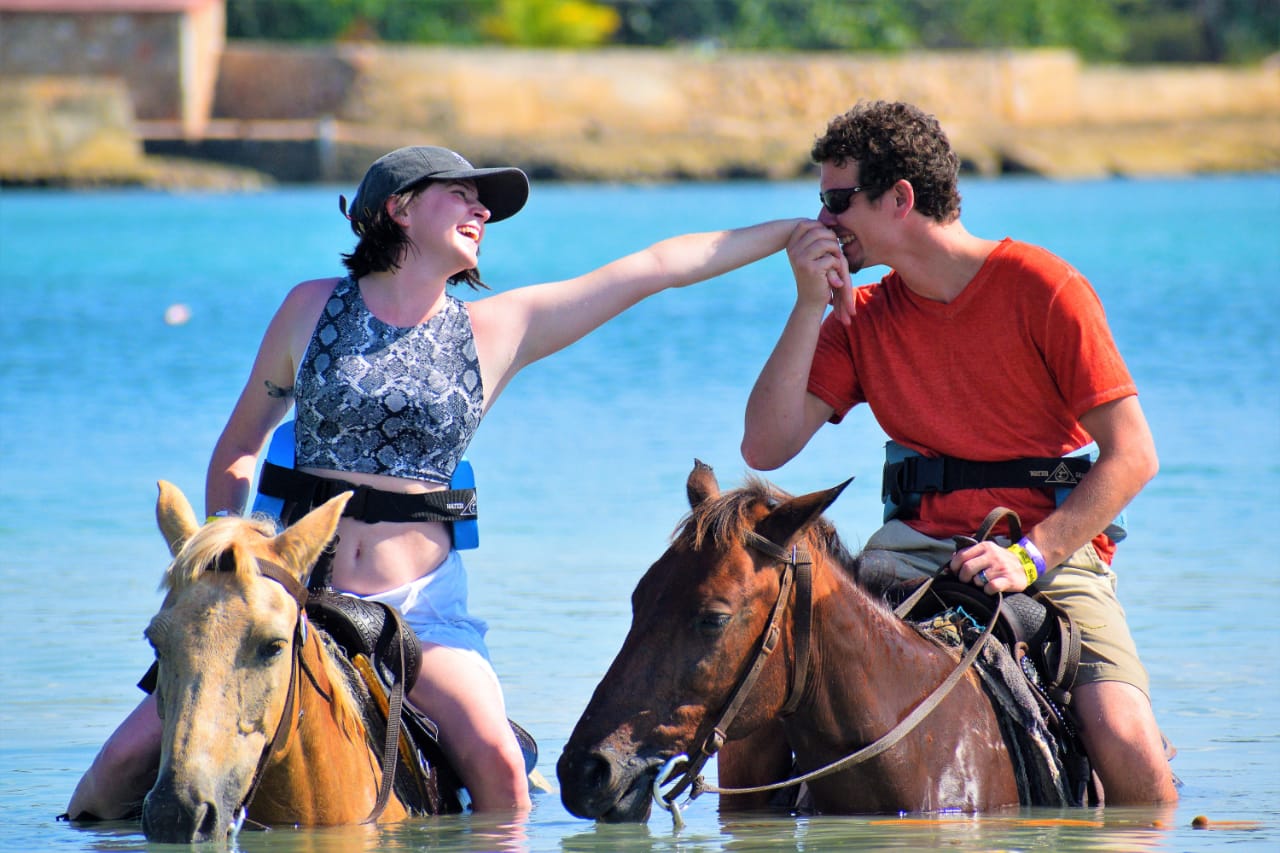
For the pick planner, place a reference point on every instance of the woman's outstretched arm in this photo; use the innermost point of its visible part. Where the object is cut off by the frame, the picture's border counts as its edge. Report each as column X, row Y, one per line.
column 518, row 327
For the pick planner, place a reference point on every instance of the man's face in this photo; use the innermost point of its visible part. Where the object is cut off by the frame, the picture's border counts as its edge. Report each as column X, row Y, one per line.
column 847, row 212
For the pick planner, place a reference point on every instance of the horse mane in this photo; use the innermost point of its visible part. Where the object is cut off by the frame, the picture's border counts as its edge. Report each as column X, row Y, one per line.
column 724, row 519
column 351, row 703
column 241, row 537
column 202, row 551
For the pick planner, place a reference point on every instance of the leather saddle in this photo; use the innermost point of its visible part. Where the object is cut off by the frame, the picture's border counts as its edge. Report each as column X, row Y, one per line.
column 1042, row 641
column 369, row 628
column 1030, row 626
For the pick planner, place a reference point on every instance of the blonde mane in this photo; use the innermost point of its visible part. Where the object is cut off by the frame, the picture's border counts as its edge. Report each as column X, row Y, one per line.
column 248, row 539
column 243, row 537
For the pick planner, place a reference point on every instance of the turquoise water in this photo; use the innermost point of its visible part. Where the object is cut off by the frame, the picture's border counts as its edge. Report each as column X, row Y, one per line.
column 581, row 468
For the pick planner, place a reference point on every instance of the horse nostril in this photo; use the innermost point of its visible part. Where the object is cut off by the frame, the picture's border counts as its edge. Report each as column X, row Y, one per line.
column 587, row 782
column 598, row 772
column 205, row 820
column 166, row 819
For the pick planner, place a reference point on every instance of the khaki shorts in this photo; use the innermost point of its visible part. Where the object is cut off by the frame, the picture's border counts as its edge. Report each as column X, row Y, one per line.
column 1083, row 586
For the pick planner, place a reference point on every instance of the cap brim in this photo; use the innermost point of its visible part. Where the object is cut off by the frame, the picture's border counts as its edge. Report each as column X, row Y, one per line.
column 502, row 189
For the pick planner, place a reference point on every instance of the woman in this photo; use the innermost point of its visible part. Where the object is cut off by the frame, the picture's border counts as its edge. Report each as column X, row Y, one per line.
column 391, row 375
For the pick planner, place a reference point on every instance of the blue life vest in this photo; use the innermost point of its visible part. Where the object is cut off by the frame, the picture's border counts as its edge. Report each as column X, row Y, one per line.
column 280, row 451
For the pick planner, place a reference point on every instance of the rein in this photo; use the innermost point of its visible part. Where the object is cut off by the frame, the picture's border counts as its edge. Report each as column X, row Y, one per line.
column 272, row 571
column 803, row 627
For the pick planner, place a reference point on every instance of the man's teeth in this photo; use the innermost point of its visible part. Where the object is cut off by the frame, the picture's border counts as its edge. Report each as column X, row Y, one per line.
column 846, row 239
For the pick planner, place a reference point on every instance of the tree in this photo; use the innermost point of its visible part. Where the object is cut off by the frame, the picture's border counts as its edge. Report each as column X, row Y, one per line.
column 551, row 23
column 1106, row 30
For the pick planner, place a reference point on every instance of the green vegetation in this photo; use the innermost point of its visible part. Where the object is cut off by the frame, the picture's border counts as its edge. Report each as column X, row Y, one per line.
column 551, row 23
column 1236, row 31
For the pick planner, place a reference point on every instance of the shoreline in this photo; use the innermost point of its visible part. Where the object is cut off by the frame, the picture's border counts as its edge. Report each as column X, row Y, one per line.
column 633, row 115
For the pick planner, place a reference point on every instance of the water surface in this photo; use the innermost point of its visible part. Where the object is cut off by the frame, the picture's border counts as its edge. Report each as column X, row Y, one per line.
column 581, row 468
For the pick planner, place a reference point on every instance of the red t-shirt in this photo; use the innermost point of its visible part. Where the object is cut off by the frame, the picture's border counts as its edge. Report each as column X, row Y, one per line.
column 1002, row 372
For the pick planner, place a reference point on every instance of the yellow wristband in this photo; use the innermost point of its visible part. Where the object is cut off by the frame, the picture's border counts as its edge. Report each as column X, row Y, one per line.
column 1028, row 564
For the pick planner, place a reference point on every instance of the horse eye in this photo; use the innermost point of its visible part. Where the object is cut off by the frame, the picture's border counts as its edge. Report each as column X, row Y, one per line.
column 712, row 623
column 272, row 649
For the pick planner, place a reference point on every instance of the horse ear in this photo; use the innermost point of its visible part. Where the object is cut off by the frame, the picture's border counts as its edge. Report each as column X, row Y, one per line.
column 701, row 485
column 785, row 522
column 300, row 545
column 175, row 516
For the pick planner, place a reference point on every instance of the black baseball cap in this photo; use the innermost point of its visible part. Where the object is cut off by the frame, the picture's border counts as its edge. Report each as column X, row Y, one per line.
column 502, row 189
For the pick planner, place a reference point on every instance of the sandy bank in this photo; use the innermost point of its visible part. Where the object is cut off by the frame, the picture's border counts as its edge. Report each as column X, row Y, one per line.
column 322, row 113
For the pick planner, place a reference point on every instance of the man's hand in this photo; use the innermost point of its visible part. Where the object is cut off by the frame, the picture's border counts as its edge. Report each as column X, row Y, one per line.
column 989, row 566
column 820, row 268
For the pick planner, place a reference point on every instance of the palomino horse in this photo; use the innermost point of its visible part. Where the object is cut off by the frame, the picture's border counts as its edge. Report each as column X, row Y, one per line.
column 259, row 711
column 838, row 671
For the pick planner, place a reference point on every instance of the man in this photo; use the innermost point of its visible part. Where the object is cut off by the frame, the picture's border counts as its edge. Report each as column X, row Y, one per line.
column 977, row 350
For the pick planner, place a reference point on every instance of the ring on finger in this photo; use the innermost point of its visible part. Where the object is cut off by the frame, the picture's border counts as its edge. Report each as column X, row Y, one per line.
column 981, row 577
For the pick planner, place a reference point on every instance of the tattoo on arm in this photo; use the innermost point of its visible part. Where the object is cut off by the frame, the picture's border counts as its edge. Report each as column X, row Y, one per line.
column 274, row 390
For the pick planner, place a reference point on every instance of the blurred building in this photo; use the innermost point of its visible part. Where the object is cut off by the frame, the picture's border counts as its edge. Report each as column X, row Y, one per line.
column 166, row 52
column 88, row 87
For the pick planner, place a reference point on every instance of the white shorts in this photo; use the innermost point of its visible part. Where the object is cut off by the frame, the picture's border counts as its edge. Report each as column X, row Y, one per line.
column 435, row 607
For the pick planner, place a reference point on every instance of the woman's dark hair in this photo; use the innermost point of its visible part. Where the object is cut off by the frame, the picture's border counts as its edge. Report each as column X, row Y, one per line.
column 382, row 242
column 891, row 142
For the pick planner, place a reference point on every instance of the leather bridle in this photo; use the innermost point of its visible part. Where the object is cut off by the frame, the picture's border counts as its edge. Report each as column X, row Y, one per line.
column 796, row 566
column 226, row 563
column 286, row 579
column 799, row 564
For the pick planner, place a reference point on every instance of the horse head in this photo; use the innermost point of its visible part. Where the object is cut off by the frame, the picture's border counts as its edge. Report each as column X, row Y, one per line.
column 698, row 617
column 226, row 640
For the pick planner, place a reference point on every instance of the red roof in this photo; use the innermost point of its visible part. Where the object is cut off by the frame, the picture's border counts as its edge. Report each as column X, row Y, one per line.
column 103, row 6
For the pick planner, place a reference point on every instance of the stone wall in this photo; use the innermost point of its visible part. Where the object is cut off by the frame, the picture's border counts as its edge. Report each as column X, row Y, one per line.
column 324, row 112
column 67, row 130
column 166, row 51
column 658, row 113
column 1127, row 95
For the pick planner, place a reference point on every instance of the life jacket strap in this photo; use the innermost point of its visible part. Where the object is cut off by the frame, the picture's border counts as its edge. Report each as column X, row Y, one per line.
column 306, row 491
column 916, row 475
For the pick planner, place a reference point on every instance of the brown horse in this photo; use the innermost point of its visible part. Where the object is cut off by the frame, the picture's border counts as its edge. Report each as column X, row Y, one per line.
column 258, row 709
column 844, row 671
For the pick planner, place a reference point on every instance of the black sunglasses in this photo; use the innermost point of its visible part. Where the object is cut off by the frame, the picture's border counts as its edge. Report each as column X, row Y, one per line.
column 837, row 201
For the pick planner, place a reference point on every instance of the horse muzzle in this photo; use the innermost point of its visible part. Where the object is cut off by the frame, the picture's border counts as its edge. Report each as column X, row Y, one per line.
column 184, row 817
column 603, row 785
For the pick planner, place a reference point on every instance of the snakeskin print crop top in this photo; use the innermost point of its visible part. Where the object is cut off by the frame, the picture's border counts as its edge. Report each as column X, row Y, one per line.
column 379, row 399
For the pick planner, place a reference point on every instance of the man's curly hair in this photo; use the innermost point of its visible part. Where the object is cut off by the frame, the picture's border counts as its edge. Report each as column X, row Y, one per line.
column 383, row 242
column 892, row 142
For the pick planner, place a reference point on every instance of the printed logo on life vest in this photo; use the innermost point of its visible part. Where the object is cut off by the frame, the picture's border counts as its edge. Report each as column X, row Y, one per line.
column 463, row 507
column 1062, row 475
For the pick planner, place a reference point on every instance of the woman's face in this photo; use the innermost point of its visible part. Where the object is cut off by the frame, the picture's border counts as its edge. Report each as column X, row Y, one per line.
column 446, row 218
